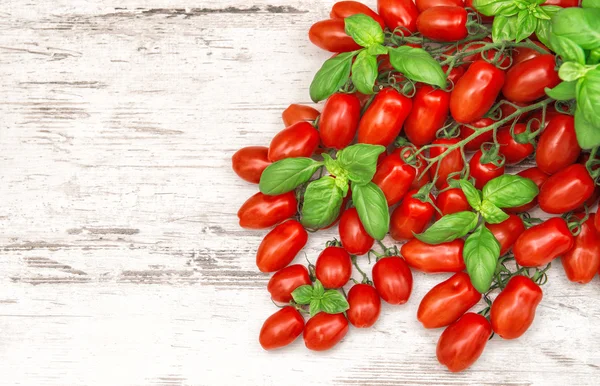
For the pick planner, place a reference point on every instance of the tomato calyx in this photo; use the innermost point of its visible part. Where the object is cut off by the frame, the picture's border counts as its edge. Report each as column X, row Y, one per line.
column 528, row 220
column 592, row 165
column 387, row 252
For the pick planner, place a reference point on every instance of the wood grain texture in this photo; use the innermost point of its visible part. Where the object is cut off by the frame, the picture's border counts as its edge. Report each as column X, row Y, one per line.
column 122, row 261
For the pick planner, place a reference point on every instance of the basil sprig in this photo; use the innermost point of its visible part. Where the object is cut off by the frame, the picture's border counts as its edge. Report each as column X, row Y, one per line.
column 481, row 253
column 319, row 299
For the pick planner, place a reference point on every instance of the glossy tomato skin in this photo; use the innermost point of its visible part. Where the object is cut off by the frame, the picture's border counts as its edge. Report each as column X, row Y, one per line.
column 280, row 246
column 382, row 122
column 475, row 92
column 353, row 235
column 513, row 310
column 445, row 257
column 333, row 267
column 513, row 151
column 443, row 23
column 344, row 9
column 557, row 146
column 451, row 201
column 422, row 5
column 249, row 162
column 463, row 342
column 564, row 3
column 541, row 243
column 393, row 279
column 487, row 136
column 339, row 120
column 526, row 81
column 323, row 331
column 281, row 328
column 428, row 115
column 447, row 301
column 451, row 163
column 538, row 177
column 597, row 222
column 394, row 176
column 285, row 281
column 455, row 74
column 398, row 14
column 522, row 54
column 412, row 215
column 483, row 173
column 298, row 113
column 261, row 211
column 566, row 190
column 330, row 35
column 507, row 232
column 365, row 305
column 422, row 177
column 582, row 262
column 299, row 140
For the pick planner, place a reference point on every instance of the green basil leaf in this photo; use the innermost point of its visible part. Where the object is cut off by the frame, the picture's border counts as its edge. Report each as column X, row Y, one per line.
column 318, row 289
column 564, row 91
column 588, row 135
column 449, row 228
column 364, row 72
column 360, row 161
column 334, row 302
column 580, row 25
column 588, row 97
column 544, row 27
column 509, row 191
column 418, row 65
column 332, row 165
column 372, row 209
column 333, row 74
column 322, row 203
column 492, row 214
column 567, row 49
column 570, row 71
column 377, row 49
column 303, row 294
column 315, row 307
column 471, row 192
column 481, row 253
column 594, row 56
column 364, row 30
column 504, row 28
column 590, row 4
column 540, row 13
column 526, row 25
column 287, row 174
column 495, row 7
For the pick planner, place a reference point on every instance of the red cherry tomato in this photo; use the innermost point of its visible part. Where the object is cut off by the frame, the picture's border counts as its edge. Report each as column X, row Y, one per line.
column 522, row 54
column 394, row 176
column 483, row 173
column 513, row 310
column 475, row 92
column 333, row 267
column 392, row 279
column 455, row 74
column 339, row 120
column 445, row 257
column 249, row 162
column 582, row 262
column 444, row 23
column 353, row 235
column 281, row 328
column 451, row 201
column 447, row 301
column 365, row 305
column 284, row 282
column 344, row 9
column 298, row 113
column 538, row 177
column 566, row 190
column 557, row 147
column 507, row 232
column 330, row 35
column 323, row 331
column 382, row 122
column 280, row 246
column 412, row 215
column 428, row 115
column 487, row 136
column 541, row 243
column 299, row 140
column 261, row 211
column 526, row 81
column 564, row 3
column 451, row 163
column 462, row 342
column 513, row 151
column 422, row 5
column 398, row 14
column 597, row 222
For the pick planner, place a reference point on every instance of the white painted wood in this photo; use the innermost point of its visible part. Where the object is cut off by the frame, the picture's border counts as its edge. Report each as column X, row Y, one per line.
column 122, row 261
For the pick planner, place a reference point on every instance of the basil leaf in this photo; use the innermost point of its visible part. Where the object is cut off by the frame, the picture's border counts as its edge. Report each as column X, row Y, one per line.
column 315, row 307
column 372, row 209
column 570, row 71
column 526, row 25
column 492, row 214
column 318, row 289
column 449, row 228
column 332, row 165
column 509, row 191
column 540, row 13
column 360, row 161
column 567, row 49
column 334, row 302
column 303, row 294
column 588, row 135
column 495, row 7
column 544, row 27
column 377, row 49
column 504, row 28
column 481, row 253
column 582, row 26
column 594, row 56
column 588, row 97
column 471, row 192
column 364, row 30
column 364, row 72
column 287, row 174
column 322, row 203
column 332, row 75
column 562, row 92
column 418, row 65
column 590, row 3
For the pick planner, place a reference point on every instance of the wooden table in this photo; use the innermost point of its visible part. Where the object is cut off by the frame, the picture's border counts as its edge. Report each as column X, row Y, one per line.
column 122, row 261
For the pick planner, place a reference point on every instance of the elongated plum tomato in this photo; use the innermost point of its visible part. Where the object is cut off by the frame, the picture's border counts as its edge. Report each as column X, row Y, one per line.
column 393, row 279
column 428, row 115
column 542, row 243
column 382, row 122
column 281, row 328
column 344, row 9
column 249, row 162
column 486, row 136
column 445, row 257
column 412, row 215
column 513, row 151
column 299, row 140
column 463, row 342
column 353, row 235
column 451, row 201
column 483, row 172
column 285, row 281
column 526, row 81
column 261, row 211
column 447, row 301
column 422, row 5
column 399, row 14
column 538, row 177
column 323, row 331
column 333, row 267
column 280, row 246
column 521, row 54
column 330, row 35
column 564, row 3
column 513, row 310
column 365, row 305
column 394, row 176
column 475, row 92
column 339, row 120
column 443, row 23
column 566, row 190
column 557, row 147
column 597, row 222
column 298, row 113
column 507, row 232
column 451, row 163
column 582, row 262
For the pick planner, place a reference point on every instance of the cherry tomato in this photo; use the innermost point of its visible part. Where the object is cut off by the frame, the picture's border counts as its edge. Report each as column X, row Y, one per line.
column 475, row 92
column 564, row 3
column 281, row 328
column 507, row 232
column 398, row 14
column 299, row 140
column 557, row 147
column 483, row 173
column 249, row 162
column 451, row 201
column 344, row 9
column 451, row 163
column 541, row 243
column 597, row 222
column 353, row 235
column 422, row 5
column 462, row 342
column 487, row 136
column 447, row 301
column 339, row 120
column 261, row 211
column 443, row 23
column 323, row 331
column 412, row 215
column 280, row 246
column 445, row 257
column 522, row 54
column 428, row 115
column 392, row 279
column 394, row 176
column 526, row 81
column 365, row 305
column 566, row 190
column 330, row 35
column 298, row 113
column 513, row 310
column 284, row 282
column 455, row 74
column 382, row 122
column 582, row 262
column 333, row 267
column 513, row 151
